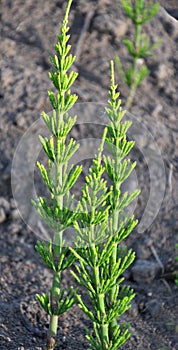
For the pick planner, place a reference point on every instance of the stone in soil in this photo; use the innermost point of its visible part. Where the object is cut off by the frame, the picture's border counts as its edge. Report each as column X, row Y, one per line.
column 145, row 271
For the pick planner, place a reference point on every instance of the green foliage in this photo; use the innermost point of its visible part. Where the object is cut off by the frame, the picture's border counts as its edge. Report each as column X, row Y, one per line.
column 100, row 228
column 47, row 254
column 100, row 219
column 59, row 177
column 139, row 11
column 65, row 302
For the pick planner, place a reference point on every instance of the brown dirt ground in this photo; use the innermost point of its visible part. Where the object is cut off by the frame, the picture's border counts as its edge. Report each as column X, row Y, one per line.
column 28, row 33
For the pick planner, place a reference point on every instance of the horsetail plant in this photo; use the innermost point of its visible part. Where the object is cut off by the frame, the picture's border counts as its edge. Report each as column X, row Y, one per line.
column 101, row 227
column 139, row 11
column 98, row 219
column 59, row 178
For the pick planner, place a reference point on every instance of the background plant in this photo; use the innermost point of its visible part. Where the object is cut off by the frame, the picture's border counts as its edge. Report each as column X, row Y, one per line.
column 59, row 179
column 101, row 228
column 139, row 11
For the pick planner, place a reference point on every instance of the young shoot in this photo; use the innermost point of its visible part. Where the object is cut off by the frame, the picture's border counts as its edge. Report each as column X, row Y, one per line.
column 103, row 224
column 59, row 178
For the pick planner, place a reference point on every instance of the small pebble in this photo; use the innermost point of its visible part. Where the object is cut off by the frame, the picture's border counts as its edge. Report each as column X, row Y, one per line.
column 64, row 339
column 13, row 203
column 154, row 307
column 4, row 204
column 162, row 72
column 103, row 24
column 2, row 215
column 157, row 110
column 15, row 214
column 145, row 271
column 15, row 228
column 8, row 339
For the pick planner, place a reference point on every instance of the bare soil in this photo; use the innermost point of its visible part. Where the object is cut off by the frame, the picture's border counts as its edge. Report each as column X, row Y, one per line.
column 28, row 34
